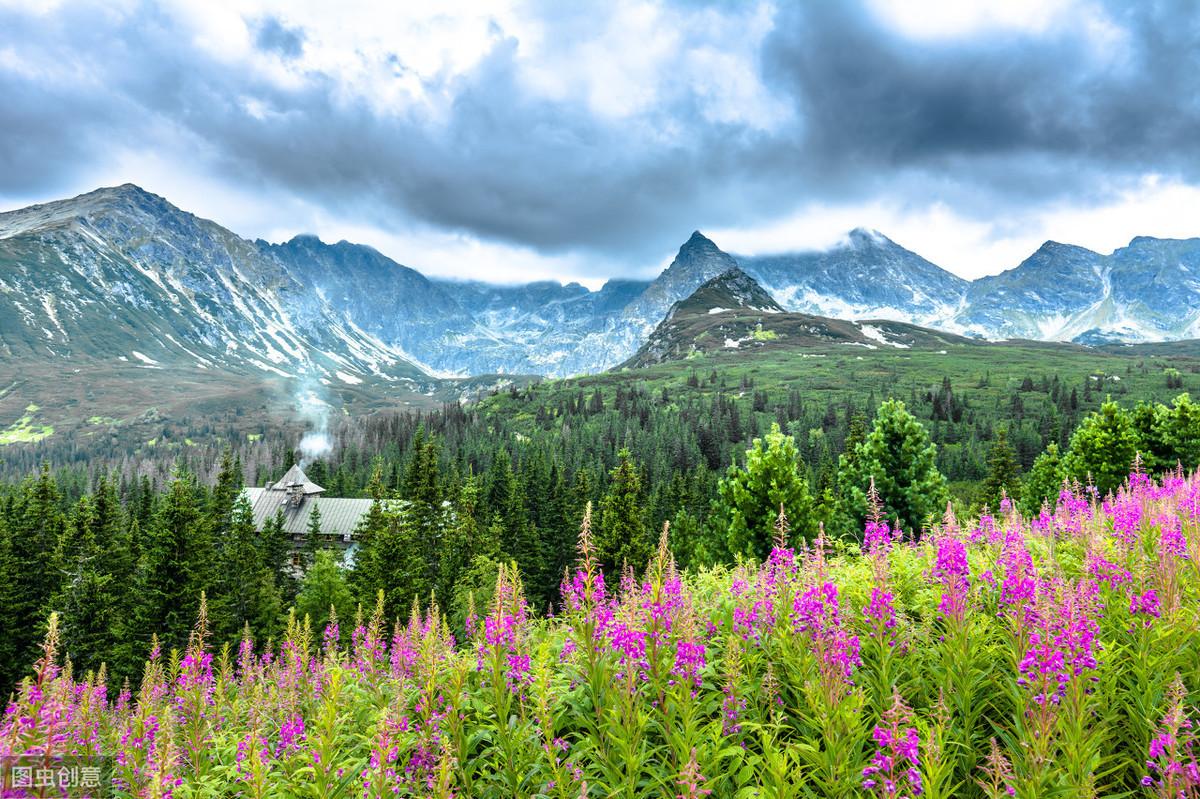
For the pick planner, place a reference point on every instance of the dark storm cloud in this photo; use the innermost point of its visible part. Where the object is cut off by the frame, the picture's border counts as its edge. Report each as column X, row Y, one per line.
column 989, row 124
column 1011, row 116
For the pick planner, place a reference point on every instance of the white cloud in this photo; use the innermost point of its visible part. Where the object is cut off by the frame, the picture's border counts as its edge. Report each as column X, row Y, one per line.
column 951, row 18
column 973, row 248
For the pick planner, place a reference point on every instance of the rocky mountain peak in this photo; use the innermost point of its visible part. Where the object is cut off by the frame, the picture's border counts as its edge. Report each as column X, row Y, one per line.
column 733, row 289
column 866, row 238
column 698, row 241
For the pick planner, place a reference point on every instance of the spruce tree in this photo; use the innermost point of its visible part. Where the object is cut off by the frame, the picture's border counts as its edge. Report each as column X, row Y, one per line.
column 11, row 666
column 1181, row 433
column 225, row 493
column 401, row 565
column 463, row 540
column 275, row 547
column 314, row 536
column 1103, row 448
column 425, row 515
column 37, row 525
column 1004, row 472
column 86, row 603
column 902, row 460
column 85, row 600
column 366, row 578
column 248, row 592
column 1149, row 421
column 177, row 564
column 1044, row 481
column 623, row 536
column 323, row 587
column 749, row 497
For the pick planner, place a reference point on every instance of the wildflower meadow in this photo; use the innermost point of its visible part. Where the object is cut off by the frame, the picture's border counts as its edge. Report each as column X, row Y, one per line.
column 1045, row 656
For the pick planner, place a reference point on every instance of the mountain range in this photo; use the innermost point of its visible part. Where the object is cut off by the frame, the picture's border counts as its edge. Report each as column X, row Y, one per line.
column 119, row 275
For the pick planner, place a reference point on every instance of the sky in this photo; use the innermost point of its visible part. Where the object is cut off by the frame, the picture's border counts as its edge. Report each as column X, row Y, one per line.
column 513, row 140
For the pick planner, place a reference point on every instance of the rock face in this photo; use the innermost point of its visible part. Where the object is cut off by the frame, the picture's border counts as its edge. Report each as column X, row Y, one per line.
column 393, row 303
column 732, row 290
column 120, row 273
column 698, row 261
column 1036, row 299
column 1146, row 292
column 865, row 276
column 541, row 328
column 464, row 327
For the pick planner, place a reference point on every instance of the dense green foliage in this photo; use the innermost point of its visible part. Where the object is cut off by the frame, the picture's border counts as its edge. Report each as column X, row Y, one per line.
column 750, row 498
column 900, row 462
column 123, row 560
column 1051, row 656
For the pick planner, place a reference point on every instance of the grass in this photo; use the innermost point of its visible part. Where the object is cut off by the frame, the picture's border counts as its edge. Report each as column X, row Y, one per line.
column 25, row 431
column 986, row 374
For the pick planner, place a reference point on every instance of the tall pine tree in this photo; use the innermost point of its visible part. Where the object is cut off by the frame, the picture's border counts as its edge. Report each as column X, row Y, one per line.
column 623, row 536
column 1004, row 472
column 899, row 456
column 749, row 497
column 1103, row 448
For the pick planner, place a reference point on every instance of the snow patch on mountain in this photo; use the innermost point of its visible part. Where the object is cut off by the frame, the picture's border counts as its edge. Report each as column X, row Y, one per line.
column 875, row 334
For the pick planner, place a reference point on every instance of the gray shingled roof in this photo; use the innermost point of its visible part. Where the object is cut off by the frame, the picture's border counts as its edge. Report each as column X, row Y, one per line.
column 338, row 516
column 296, row 476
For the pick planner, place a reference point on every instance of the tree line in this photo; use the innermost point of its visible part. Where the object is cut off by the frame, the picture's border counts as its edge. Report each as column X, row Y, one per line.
column 126, row 559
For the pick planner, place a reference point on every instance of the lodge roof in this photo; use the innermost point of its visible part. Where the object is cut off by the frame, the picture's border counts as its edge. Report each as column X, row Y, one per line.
column 339, row 516
column 296, row 477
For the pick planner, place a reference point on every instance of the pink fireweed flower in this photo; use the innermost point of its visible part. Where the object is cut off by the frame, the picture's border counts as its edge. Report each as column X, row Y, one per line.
column 251, row 748
column 877, row 537
column 502, row 633
column 629, row 644
column 331, row 638
column 755, row 612
column 816, row 612
column 291, row 736
column 1074, row 510
column 985, row 531
column 1171, row 540
column 732, row 707
column 689, row 661
column 894, row 769
column 1190, row 504
column 1145, row 605
column 1139, row 482
column 998, row 777
column 1173, row 767
column 369, row 649
column 504, row 644
column 690, row 780
column 952, row 571
column 1126, row 513
column 580, row 588
column 1063, row 645
column 1019, row 586
column 1107, row 573
column 881, row 615
column 247, row 663
column 195, row 670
